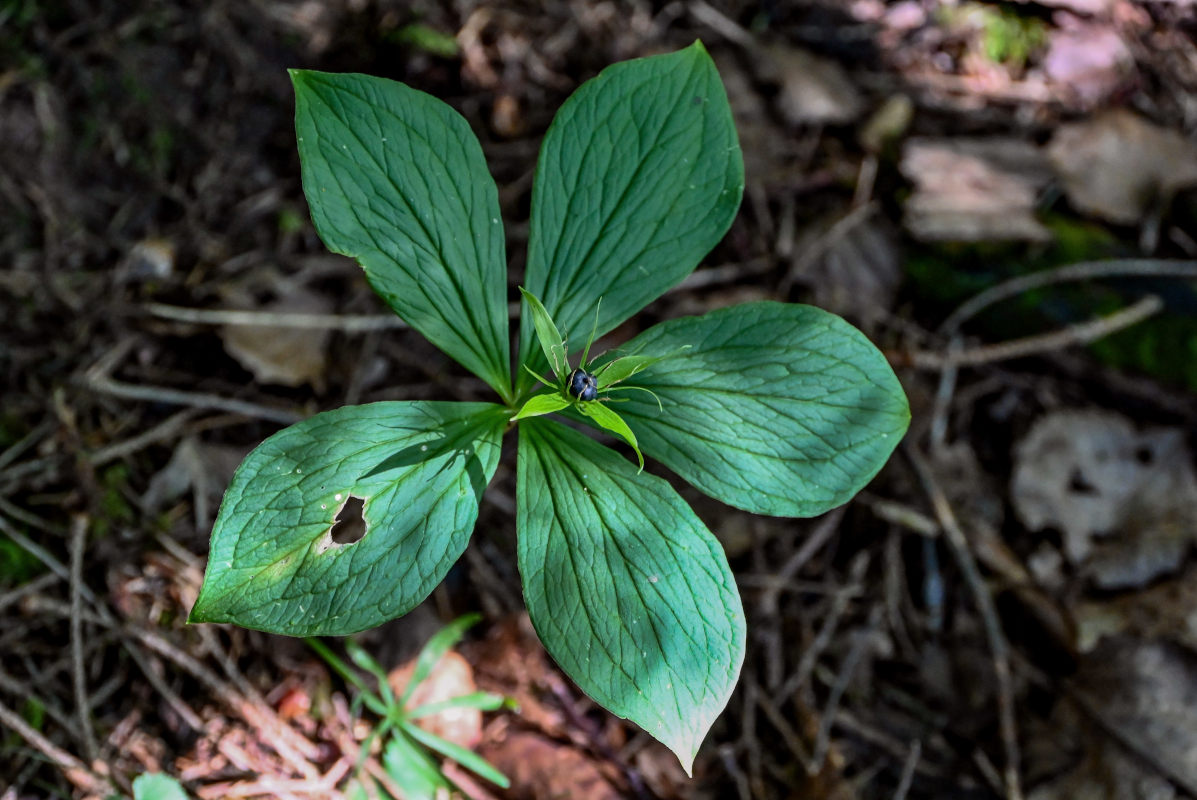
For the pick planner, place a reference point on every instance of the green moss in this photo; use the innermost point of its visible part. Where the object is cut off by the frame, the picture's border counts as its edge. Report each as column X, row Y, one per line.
column 17, row 565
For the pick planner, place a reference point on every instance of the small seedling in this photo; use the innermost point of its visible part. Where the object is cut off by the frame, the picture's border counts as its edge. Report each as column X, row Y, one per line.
column 157, row 786
column 773, row 408
column 405, row 744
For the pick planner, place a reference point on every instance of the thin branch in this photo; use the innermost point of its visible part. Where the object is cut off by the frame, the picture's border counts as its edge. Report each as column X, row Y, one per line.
column 842, row 679
column 75, row 770
column 79, row 525
column 280, row 736
column 1078, row 334
column 345, row 323
column 912, row 761
column 1088, row 270
column 98, row 378
column 999, row 650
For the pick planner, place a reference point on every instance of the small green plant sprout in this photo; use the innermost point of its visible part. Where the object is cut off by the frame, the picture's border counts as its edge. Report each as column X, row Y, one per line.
column 405, row 745
column 773, row 408
column 157, row 786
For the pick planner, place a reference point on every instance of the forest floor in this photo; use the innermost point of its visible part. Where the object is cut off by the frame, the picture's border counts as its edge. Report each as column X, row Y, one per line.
column 1009, row 610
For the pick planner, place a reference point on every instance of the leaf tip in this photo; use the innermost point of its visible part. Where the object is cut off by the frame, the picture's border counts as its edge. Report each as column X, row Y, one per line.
column 298, row 76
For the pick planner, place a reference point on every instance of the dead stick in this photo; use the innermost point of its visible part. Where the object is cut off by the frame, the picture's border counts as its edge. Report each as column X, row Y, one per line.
column 75, row 770
column 346, row 323
column 1088, row 270
column 277, row 733
column 999, row 651
column 1081, row 333
column 79, row 525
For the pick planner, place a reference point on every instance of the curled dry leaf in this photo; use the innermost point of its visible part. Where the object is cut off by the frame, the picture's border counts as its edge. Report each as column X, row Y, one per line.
column 1118, row 166
column 1090, row 474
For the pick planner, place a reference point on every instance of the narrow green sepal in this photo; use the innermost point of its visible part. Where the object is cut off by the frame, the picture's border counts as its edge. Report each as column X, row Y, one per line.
column 551, row 340
column 542, row 404
column 608, row 420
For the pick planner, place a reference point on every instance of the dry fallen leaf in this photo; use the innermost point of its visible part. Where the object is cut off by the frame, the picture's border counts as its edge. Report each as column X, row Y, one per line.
column 1091, row 474
column 1164, row 610
column 1145, row 693
column 284, row 356
column 1089, row 61
column 974, row 190
column 812, row 90
column 857, row 274
column 543, row 769
column 1120, row 167
column 451, row 677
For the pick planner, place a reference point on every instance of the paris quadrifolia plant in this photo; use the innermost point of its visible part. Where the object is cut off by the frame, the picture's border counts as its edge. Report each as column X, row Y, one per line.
column 774, row 408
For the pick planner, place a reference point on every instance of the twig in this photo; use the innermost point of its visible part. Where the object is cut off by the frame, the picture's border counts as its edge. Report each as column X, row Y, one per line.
column 24, row 691
column 720, row 23
column 98, row 378
column 268, row 724
column 937, row 431
column 254, row 698
column 825, row 241
column 79, row 525
column 912, row 761
column 19, row 593
column 959, row 547
column 1078, row 334
column 788, row 735
column 164, row 430
column 42, row 555
column 1088, row 270
column 172, row 698
column 75, row 770
column 324, row 787
column 727, row 755
column 901, row 515
column 839, row 604
column 824, row 529
column 24, row 443
column 345, row 323
column 842, row 679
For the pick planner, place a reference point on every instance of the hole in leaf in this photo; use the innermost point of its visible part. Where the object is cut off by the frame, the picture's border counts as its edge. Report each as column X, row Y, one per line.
column 1078, row 484
column 350, row 524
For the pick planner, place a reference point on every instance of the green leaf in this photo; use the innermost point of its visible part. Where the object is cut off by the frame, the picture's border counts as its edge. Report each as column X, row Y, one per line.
column 621, row 369
column 607, row 419
column 628, row 590
column 775, row 408
column 372, row 701
column 434, row 649
column 483, row 701
column 466, row 758
column 639, row 176
column 157, row 786
column 419, row 467
column 413, row 770
column 396, row 179
column 542, row 404
column 552, row 343
column 368, row 663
